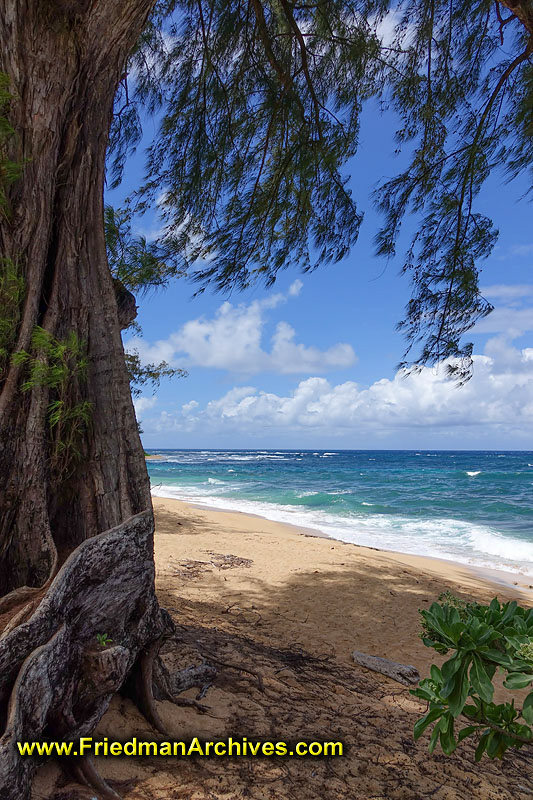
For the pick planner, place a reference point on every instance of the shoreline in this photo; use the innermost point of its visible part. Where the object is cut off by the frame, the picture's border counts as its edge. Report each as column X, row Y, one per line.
column 512, row 581
column 320, row 594
column 280, row 612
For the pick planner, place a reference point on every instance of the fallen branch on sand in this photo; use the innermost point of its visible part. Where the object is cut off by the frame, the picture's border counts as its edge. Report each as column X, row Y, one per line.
column 402, row 673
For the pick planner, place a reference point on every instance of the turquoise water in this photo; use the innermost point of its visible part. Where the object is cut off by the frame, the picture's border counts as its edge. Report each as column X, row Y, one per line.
column 472, row 507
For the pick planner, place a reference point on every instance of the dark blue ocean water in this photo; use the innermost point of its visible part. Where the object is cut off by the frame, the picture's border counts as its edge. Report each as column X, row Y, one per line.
column 473, row 507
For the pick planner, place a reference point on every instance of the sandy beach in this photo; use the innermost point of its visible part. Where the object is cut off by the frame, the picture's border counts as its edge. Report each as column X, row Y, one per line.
column 278, row 612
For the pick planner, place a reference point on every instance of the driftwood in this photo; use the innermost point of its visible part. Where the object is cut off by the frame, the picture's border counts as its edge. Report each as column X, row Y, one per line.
column 402, row 673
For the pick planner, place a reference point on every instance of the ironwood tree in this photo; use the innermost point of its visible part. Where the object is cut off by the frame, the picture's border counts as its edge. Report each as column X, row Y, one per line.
column 258, row 103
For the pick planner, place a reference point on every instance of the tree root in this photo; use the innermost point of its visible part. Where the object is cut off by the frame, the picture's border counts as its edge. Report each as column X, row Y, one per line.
column 55, row 679
column 146, row 691
column 155, row 682
column 239, row 668
column 86, row 772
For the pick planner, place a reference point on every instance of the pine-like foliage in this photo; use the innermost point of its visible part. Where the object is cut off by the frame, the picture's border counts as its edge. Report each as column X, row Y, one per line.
column 258, row 105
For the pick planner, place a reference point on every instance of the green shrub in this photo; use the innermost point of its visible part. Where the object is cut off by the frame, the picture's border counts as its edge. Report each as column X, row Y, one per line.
column 482, row 640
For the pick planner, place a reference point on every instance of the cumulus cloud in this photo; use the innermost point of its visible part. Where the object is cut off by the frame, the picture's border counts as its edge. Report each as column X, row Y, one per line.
column 512, row 317
column 506, row 291
column 233, row 340
column 511, row 321
column 142, row 404
column 499, row 397
column 295, row 288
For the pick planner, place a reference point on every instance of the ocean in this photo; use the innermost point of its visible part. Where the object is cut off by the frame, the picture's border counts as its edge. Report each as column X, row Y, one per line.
column 474, row 507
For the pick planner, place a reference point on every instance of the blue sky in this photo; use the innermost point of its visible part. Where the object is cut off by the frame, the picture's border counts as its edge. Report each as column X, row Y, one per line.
column 312, row 361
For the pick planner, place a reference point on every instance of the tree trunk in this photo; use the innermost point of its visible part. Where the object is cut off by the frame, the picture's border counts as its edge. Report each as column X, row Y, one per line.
column 79, row 475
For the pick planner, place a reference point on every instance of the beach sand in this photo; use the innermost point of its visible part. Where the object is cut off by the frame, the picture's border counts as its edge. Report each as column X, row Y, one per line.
column 279, row 611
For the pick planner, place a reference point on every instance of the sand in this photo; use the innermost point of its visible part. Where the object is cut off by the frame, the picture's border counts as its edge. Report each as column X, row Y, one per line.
column 290, row 608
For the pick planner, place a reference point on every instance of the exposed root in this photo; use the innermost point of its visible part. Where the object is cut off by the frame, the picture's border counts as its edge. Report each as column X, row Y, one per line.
column 17, row 618
column 54, row 679
column 155, row 681
column 239, row 668
column 186, row 702
column 146, row 691
column 25, row 594
column 87, row 773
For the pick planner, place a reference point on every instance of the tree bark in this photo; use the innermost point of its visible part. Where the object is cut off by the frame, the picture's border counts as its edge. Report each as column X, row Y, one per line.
column 522, row 10
column 64, row 60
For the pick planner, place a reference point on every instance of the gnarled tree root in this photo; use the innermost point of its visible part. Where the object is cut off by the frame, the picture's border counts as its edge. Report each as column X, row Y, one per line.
column 56, row 682
column 86, row 772
column 155, row 682
column 146, row 687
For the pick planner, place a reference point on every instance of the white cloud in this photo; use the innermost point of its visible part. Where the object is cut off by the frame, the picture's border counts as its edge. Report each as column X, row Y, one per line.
column 190, row 407
column 498, row 398
column 504, row 291
column 142, row 404
column 232, row 340
column 295, row 288
column 513, row 318
column 522, row 250
column 511, row 321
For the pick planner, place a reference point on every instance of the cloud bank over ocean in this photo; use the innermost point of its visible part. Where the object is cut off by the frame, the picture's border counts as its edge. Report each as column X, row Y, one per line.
column 494, row 410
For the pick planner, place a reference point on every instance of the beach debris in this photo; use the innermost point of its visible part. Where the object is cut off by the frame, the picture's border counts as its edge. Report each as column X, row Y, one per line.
column 193, row 568
column 402, row 673
column 228, row 561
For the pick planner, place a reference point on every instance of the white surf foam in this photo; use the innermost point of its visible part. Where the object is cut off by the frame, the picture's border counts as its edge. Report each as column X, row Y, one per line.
column 450, row 539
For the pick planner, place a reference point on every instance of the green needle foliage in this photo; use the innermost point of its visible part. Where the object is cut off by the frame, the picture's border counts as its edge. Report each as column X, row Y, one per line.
column 483, row 640
column 11, row 297
column 9, row 170
column 60, row 367
column 258, row 105
column 11, row 281
column 138, row 264
column 142, row 375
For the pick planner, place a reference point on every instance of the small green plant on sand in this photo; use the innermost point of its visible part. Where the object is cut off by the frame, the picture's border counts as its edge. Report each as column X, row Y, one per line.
column 482, row 639
column 103, row 639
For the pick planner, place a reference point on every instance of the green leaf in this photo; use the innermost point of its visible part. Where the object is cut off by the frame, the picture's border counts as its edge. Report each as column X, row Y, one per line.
column 458, row 696
column 527, row 708
column 517, row 680
column 422, row 724
column 480, row 681
column 434, row 738
column 493, row 744
column 450, row 668
column 497, row 656
column 509, row 611
column 480, row 749
column 424, row 694
column 447, row 739
column 468, row 731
